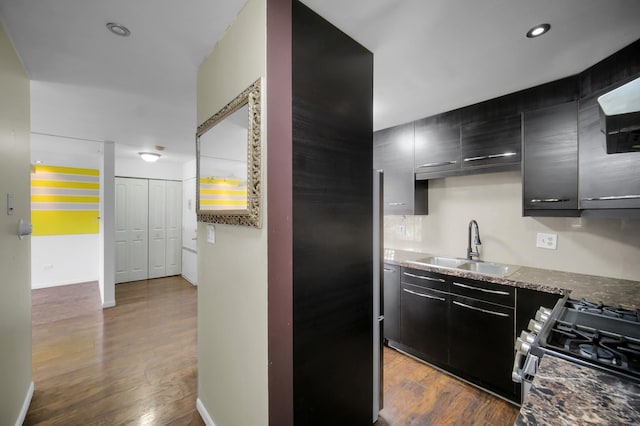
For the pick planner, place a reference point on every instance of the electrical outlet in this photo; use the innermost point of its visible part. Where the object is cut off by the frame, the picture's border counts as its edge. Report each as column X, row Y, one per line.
column 547, row 241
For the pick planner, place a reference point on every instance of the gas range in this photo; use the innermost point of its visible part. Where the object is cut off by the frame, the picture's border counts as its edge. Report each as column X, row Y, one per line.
column 602, row 337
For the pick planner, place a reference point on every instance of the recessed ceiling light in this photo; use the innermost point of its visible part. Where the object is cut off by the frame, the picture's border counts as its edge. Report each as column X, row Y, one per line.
column 149, row 157
column 538, row 30
column 118, row 29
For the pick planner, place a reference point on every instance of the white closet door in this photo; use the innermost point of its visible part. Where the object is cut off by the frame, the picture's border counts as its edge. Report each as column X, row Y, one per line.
column 131, row 229
column 157, row 228
column 122, row 233
column 173, row 257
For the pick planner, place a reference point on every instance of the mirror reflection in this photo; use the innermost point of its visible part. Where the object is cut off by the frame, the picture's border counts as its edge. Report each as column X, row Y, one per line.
column 223, row 164
column 228, row 159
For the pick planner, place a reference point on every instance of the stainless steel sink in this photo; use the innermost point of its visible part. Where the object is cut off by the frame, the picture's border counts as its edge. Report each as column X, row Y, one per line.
column 445, row 262
column 488, row 268
column 479, row 267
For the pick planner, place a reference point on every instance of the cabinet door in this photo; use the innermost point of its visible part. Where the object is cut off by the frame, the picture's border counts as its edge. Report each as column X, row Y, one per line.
column 157, row 228
column 437, row 144
column 131, row 229
column 606, row 181
column 393, row 153
column 496, row 142
column 424, row 320
column 551, row 160
column 481, row 343
column 394, row 147
column 391, row 286
column 173, row 253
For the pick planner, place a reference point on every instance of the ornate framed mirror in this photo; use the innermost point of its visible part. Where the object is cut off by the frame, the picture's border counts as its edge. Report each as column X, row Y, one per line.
column 228, row 153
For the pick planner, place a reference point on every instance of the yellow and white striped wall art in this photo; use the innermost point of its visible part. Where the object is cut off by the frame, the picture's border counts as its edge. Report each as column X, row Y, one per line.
column 64, row 200
column 217, row 193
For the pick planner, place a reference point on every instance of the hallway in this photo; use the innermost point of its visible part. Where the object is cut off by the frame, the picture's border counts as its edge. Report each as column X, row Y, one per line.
column 134, row 363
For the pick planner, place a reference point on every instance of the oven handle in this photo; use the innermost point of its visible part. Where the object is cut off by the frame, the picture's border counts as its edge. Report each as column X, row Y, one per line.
column 516, row 373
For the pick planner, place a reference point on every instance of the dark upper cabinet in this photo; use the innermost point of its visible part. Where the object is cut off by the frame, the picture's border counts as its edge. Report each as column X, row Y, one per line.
column 393, row 153
column 606, row 181
column 494, row 142
column 437, row 145
column 550, row 161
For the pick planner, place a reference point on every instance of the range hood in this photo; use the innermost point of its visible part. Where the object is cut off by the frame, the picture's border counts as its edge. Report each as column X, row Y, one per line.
column 620, row 118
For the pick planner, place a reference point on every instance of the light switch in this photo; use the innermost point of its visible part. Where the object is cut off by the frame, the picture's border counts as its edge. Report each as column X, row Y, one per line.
column 547, row 241
column 211, row 234
column 9, row 204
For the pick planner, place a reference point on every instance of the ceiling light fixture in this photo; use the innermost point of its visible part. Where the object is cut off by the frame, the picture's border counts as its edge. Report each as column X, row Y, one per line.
column 538, row 30
column 118, row 29
column 149, row 157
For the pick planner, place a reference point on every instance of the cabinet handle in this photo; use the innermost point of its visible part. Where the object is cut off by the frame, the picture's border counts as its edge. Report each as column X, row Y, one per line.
column 612, row 197
column 500, row 314
column 549, row 200
column 486, row 157
column 425, row 295
column 470, row 287
column 395, row 204
column 440, row 280
column 387, row 269
column 442, row 163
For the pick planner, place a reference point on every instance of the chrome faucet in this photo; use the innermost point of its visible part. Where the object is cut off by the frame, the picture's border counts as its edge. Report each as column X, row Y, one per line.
column 476, row 241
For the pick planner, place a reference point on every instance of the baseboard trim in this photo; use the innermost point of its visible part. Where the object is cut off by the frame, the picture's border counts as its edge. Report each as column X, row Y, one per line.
column 204, row 413
column 108, row 304
column 37, row 286
column 191, row 281
column 25, row 405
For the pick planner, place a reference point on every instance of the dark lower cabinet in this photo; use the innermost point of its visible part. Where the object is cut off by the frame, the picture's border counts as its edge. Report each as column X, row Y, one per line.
column 481, row 343
column 391, row 290
column 424, row 319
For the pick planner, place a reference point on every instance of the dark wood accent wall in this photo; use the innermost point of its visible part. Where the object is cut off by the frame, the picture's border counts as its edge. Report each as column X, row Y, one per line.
column 332, row 85
column 279, row 216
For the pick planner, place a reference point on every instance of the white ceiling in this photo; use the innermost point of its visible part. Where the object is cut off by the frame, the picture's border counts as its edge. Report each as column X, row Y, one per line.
column 429, row 56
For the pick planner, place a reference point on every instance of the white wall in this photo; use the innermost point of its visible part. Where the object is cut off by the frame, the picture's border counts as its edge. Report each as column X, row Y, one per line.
column 189, row 223
column 596, row 246
column 136, row 168
column 65, row 259
column 16, row 386
column 232, row 273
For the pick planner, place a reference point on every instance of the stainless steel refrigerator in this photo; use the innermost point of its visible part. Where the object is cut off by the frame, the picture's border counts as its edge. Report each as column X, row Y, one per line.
column 378, row 299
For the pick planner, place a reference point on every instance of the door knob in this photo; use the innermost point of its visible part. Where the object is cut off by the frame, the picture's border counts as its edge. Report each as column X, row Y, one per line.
column 24, row 229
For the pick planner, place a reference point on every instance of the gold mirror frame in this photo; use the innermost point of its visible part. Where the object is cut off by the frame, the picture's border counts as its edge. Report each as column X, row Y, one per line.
column 251, row 97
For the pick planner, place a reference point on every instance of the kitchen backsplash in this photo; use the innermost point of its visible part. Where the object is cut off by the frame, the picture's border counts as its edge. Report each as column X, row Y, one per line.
column 597, row 246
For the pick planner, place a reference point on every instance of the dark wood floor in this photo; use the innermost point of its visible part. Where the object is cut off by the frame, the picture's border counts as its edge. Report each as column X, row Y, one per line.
column 417, row 394
column 136, row 364
column 131, row 364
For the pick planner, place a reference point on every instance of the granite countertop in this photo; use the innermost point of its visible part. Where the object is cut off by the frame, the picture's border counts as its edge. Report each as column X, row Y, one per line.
column 565, row 393
column 609, row 291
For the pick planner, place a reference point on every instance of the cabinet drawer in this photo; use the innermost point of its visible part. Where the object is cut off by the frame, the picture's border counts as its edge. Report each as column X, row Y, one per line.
column 426, row 279
column 484, row 291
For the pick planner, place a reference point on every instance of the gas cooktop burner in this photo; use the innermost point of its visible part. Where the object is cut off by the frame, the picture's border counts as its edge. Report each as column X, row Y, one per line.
column 600, row 309
column 600, row 354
